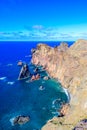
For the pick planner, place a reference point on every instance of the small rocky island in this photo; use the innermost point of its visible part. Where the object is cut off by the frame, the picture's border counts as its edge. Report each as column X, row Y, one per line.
column 24, row 73
column 69, row 67
column 20, row 120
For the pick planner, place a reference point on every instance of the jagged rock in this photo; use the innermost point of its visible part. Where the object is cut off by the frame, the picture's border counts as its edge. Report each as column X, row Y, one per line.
column 64, row 110
column 24, row 73
column 33, row 50
column 63, row 47
column 21, row 120
column 69, row 66
column 35, row 77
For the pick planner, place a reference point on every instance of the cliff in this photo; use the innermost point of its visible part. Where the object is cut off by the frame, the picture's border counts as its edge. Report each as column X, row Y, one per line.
column 69, row 66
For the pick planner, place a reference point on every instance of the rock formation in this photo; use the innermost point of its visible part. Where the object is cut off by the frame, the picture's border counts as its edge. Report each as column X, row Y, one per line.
column 21, row 120
column 69, row 66
column 35, row 77
column 24, row 73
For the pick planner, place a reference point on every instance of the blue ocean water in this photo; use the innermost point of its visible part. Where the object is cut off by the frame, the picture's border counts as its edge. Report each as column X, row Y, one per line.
column 25, row 98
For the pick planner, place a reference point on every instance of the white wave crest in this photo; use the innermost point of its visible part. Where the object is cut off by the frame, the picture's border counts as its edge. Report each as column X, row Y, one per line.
column 67, row 93
column 3, row 78
column 10, row 83
column 12, row 120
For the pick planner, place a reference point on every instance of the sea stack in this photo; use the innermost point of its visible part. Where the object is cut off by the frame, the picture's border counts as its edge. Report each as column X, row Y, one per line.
column 24, row 73
column 20, row 120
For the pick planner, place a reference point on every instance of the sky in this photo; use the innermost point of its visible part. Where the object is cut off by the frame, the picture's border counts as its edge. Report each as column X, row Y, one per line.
column 43, row 20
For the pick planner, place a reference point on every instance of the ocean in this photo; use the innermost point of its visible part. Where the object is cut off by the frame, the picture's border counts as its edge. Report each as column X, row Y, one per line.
column 22, row 97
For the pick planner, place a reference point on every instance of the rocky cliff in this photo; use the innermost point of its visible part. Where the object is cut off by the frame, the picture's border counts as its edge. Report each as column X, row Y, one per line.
column 69, row 66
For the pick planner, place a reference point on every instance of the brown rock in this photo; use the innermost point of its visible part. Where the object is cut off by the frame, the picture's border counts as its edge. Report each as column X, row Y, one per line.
column 64, row 110
column 35, row 77
column 69, row 66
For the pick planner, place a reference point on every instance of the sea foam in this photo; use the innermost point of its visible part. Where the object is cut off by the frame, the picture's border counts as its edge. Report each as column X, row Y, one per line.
column 2, row 78
column 67, row 93
column 9, row 64
column 12, row 120
column 10, row 83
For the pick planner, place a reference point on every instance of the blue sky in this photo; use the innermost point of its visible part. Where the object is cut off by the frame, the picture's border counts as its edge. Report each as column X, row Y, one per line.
column 43, row 20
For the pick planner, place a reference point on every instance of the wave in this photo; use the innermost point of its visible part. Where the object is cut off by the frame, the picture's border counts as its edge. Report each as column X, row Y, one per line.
column 67, row 93
column 28, row 56
column 9, row 64
column 3, row 78
column 55, row 113
column 43, row 82
column 12, row 120
column 56, row 103
column 10, row 83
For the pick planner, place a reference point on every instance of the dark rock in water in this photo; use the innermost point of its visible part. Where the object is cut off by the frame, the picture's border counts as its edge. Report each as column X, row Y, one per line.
column 21, row 120
column 24, row 73
column 35, row 77
column 36, row 70
column 33, row 50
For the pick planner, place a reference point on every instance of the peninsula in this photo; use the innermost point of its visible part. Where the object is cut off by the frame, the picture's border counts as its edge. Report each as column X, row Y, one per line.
column 69, row 67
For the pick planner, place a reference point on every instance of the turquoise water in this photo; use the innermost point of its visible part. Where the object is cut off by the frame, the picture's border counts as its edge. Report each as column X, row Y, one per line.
column 25, row 98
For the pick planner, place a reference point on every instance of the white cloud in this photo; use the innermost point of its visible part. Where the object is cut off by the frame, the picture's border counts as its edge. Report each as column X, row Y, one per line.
column 38, row 32
column 37, row 27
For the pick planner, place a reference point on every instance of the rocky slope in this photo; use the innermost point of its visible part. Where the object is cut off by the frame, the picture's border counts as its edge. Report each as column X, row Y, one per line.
column 69, row 66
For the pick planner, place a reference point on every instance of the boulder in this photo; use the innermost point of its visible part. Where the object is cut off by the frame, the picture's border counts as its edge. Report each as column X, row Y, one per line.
column 21, row 120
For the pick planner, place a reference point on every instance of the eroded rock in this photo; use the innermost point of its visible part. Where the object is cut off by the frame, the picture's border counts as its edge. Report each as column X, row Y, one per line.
column 35, row 77
column 24, row 73
column 69, row 66
column 21, row 120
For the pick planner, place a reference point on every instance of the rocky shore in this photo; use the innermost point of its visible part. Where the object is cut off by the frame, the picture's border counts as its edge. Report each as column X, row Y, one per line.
column 69, row 67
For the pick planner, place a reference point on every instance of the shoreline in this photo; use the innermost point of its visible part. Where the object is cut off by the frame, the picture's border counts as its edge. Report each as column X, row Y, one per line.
column 69, row 66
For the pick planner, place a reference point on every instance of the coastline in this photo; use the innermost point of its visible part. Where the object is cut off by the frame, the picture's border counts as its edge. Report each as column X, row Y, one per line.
column 68, row 65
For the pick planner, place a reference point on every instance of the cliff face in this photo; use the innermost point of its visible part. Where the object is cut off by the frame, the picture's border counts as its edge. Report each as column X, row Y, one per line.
column 69, row 66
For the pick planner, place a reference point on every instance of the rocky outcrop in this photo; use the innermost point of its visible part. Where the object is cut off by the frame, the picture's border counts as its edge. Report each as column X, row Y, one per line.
column 24, row 73
column 35, row 77
column 69, row 66
column 21, row 120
